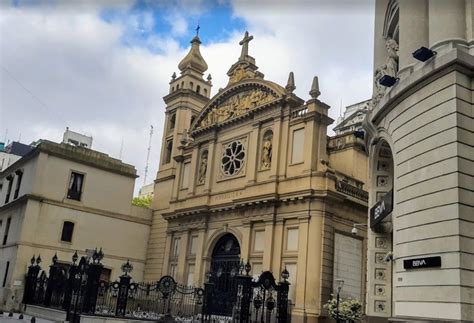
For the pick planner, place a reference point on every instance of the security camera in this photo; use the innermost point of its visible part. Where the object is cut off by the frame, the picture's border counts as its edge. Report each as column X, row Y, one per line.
column 354, row 231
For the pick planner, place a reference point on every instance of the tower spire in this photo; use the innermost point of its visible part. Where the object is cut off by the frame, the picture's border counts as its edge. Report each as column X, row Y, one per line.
column 194, row 60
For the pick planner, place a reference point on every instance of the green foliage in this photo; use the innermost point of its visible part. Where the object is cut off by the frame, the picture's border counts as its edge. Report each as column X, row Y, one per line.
column 350, row 309
column 144, row 201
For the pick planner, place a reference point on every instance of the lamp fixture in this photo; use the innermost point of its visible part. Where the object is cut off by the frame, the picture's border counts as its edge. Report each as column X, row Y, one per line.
column 423, row 54
column 388, row 80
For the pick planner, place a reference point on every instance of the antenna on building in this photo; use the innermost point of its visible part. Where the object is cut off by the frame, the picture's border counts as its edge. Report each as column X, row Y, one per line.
column 121, row 149
column 148, row 155
column 340, row 109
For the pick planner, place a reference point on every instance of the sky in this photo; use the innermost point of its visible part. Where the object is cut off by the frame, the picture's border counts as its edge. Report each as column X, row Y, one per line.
column 102, row 67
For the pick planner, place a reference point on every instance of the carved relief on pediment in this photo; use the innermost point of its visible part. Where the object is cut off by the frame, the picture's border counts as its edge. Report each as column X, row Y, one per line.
column 235, row 106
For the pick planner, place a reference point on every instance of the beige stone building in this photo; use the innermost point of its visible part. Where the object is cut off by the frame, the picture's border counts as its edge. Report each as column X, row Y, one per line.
column 58, row 199
column 250, row 173
column 421, row 251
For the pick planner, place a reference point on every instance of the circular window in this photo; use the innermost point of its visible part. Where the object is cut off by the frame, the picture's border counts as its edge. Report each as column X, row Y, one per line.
column 233, row 158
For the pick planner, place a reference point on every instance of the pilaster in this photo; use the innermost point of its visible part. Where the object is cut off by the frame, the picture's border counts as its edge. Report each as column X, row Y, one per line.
column 268, row 252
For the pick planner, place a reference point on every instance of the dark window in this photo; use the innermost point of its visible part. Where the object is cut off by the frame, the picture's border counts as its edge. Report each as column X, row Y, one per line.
column 7, row 228
column 172, row 121
column 68, row 228
column 19, row 174
column 9, row 190
column 168, row 152
column 198, row 89
column 75, row 186
column 6, row 274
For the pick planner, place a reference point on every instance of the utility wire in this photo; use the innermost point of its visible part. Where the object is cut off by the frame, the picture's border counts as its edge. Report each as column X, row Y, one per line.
column 34, row 96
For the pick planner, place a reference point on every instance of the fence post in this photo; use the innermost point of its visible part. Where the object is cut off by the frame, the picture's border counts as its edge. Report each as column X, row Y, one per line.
column 282, row 297
column 244, row 283
column 73, row 270
column 124, row 285
column 31, row 280
column 53, row 272
column 92, row 285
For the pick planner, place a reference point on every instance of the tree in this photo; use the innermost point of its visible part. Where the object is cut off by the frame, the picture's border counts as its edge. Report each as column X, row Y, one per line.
column 350, row 309
column 143, row 201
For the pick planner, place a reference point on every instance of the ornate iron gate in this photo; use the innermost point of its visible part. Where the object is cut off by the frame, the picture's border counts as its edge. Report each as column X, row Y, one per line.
column 263, row 300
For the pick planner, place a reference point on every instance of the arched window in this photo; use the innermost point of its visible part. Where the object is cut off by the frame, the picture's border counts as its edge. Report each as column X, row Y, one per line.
column 198, row 89
column 168, row 151
column 191, row 85
column 390, row 28
column 205, row 92
column 172, row 89
column 172, row 122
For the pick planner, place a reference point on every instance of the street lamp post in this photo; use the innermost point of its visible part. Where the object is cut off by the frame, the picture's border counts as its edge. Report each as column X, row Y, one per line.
column 340, row 284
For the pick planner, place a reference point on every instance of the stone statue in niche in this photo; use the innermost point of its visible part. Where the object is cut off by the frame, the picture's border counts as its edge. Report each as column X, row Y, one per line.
column 202, row 168
column 267, row 150
column 392, row 58
column 379, row 90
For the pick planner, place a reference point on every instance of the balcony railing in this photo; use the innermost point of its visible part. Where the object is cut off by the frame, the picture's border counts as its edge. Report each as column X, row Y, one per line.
column 351, row 190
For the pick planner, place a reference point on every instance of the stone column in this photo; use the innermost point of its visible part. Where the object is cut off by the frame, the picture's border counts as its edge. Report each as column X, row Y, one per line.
column 268, row 251
column 211, row 157
column 200, row 271
column 413, row 31
column 253, row 153
column 283, row 142
column 166, row 260
column 276, row 147
column 182, row 263
column 301, row 268
column 277, row 247
column 314, row 256
column 245, row 247
column 447, row 21
column 193, row 171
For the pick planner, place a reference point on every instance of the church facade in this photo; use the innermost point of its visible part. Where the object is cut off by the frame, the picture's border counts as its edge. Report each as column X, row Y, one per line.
column 250, row 174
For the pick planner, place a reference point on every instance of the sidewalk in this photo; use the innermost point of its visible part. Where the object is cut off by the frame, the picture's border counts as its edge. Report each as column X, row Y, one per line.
column 26, row 318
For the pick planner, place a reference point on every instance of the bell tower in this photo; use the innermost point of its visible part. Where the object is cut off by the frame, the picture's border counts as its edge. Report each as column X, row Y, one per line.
column 188, row 94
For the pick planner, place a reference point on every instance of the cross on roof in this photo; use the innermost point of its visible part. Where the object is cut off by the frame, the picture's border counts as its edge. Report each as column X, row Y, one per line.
column 197, row 29
column 245, row 45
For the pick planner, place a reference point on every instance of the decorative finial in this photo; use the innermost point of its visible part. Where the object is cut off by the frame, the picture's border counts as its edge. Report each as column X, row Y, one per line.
column 173, row 77
column 245, row 45
column 209, row 78
column 197, row 30
column 290, row 85
column 315, row 88
column 74, row 258
column 55, row 258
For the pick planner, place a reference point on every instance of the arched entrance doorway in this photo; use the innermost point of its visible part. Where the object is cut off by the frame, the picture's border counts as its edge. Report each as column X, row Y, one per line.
column 224, row 269
column 380, row 261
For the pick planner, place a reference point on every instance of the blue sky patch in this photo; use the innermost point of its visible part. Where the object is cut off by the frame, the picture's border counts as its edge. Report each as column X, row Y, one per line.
column 146, row 20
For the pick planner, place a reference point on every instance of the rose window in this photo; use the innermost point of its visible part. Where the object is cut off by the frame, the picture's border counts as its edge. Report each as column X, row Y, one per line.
column 233, row 158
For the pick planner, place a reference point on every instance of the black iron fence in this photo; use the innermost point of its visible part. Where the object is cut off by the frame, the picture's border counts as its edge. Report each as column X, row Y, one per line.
column 77, row 289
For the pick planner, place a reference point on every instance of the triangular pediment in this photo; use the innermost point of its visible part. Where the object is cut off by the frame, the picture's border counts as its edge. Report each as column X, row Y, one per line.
column 237, row 101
